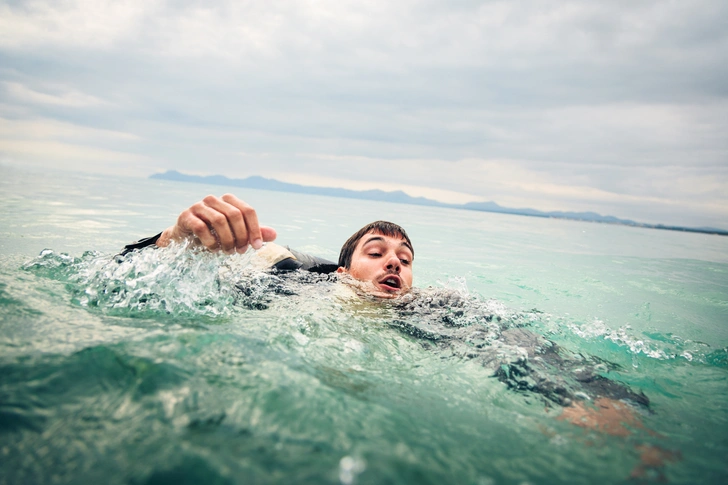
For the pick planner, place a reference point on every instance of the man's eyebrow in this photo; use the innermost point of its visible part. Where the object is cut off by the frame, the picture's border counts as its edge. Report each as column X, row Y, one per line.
column 373, row 238
column 380, row 238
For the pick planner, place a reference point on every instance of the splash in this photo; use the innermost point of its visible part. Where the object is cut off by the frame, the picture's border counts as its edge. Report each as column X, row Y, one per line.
column 177, row 280
column 654, row 345
column 185, row 281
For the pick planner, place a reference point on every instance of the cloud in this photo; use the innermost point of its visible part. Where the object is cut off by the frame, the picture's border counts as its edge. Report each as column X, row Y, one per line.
column 85, row 24
column 617, row 107
column 69, row 98
column 38, row 141
column 43, row 129
column 64, row 152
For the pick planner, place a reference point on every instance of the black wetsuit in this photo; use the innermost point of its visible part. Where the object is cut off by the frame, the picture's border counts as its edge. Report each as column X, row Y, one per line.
column 465, row 327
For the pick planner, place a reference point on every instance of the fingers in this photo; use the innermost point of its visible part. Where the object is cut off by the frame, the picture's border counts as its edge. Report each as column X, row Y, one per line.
column 219, row 219
column 225, row 223
column 190, row 223
column 247, row 228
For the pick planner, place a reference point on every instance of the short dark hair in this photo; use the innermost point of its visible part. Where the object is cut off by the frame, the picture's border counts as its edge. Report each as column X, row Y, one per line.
column 379, row 227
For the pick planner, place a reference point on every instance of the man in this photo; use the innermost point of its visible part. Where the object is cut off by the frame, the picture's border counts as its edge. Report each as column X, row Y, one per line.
column 379, row 256
column 378, row 259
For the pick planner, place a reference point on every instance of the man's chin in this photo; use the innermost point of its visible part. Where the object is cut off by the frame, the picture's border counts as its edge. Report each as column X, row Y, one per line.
column 368, row 288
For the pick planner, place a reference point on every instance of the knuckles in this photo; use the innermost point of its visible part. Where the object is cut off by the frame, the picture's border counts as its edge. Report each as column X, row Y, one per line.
column 217, row 219
column 247, row 211
column 197, row 227
column 235, row 215
column 198, row 207
column 209, row 200
column 226, row 215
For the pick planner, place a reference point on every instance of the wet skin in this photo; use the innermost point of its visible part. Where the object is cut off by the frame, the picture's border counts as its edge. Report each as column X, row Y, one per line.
column 219, row 223
column 383, row 263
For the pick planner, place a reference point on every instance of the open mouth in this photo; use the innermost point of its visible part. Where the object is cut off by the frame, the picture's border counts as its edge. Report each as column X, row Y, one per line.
column 391, row 283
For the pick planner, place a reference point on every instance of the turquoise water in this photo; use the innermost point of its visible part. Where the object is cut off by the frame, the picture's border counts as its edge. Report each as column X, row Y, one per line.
column 156, row 371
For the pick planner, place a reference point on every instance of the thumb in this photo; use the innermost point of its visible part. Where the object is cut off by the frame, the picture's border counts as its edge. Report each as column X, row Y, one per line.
column 268, row 233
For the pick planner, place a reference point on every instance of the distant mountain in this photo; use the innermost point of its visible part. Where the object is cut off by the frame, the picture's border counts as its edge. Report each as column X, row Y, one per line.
column 262, row 183
column 399, row 197
column 579, row 216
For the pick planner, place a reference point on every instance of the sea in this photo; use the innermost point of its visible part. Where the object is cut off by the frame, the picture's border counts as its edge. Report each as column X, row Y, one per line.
column 189, row 367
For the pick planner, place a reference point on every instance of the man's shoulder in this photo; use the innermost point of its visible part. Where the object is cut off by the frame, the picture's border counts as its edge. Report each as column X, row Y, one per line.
column 283, row 258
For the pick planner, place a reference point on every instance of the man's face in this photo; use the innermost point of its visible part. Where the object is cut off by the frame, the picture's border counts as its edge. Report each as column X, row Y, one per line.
column 383, row 261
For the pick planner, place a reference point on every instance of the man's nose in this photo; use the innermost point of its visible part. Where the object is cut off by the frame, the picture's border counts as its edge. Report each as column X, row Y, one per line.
column 393, row 263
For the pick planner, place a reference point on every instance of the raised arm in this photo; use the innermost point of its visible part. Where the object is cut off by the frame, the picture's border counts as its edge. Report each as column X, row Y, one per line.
column 220, row 223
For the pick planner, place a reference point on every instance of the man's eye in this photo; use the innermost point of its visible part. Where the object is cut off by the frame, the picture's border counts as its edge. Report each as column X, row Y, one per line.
column 405, row 262
column 376, row 255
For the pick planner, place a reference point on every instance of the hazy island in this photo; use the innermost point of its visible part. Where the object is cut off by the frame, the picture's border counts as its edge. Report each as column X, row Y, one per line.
column 399, row 197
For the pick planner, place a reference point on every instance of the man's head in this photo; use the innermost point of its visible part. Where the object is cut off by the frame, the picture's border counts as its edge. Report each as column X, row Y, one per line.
column 379, row 253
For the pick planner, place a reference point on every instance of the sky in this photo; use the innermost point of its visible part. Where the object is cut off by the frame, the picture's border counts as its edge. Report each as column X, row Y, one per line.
column 613, row 106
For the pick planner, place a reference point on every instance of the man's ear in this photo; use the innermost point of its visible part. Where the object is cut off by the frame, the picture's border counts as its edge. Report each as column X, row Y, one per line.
column 341, row 270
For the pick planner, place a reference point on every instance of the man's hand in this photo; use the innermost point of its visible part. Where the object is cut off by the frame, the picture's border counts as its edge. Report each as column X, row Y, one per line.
column 225, row 223
column 605, row 415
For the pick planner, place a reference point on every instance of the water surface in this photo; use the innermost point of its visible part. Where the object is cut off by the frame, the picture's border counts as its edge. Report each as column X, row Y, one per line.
column 157, row 370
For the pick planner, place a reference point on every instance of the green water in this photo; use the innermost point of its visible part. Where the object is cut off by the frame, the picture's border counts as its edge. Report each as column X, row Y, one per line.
column 156, row 371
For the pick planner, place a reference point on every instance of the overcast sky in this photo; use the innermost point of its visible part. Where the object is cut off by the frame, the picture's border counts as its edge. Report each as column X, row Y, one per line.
column 615, row 106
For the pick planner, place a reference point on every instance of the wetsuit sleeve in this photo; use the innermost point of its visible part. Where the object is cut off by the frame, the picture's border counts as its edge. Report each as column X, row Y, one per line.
column 313, row 264
column 142, row 243
column 297, row 260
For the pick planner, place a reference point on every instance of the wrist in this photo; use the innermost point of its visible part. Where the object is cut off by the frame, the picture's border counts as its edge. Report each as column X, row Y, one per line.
column 166, row 238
